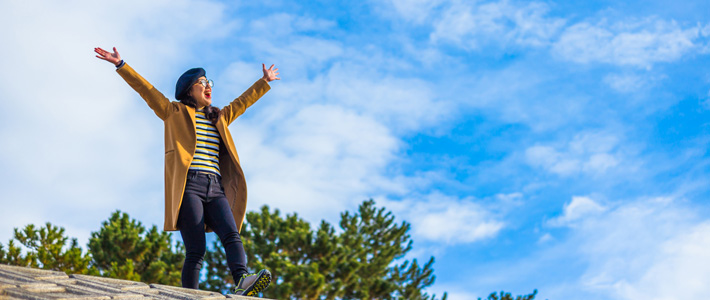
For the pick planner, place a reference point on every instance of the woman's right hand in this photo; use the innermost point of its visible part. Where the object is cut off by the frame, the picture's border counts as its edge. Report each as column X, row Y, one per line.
column 113, row 58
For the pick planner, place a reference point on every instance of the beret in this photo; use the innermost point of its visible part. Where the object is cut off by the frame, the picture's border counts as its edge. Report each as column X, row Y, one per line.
column 186, row 80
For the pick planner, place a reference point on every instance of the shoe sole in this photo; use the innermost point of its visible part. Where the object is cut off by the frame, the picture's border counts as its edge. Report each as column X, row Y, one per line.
column 260, row 285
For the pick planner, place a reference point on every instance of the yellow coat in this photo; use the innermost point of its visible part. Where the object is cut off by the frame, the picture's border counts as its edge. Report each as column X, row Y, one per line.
column 181, row 140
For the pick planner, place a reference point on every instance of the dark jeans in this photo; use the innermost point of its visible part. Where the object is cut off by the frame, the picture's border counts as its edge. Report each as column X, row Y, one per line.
column 203, row 203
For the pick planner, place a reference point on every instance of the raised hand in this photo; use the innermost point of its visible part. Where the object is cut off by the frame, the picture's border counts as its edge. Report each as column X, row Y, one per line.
column 113, row 58
column 270, row 73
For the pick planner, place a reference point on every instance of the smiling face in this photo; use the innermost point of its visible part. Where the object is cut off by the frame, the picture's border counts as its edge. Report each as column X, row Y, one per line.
column 201, row 93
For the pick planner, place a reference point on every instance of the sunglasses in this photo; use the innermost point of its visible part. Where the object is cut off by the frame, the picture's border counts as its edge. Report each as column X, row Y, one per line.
column 205, row 83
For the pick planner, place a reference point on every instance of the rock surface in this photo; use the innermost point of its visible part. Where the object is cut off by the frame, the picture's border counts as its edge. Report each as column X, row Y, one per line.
column 36, row 284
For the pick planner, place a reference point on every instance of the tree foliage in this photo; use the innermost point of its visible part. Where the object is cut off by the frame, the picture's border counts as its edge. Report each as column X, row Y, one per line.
column 506, row 296
column 46, row 247
column 362, row 259
column 123, row 248
column 360, row 262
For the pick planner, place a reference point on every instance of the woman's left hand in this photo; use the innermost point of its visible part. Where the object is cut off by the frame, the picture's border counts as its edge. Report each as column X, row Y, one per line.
column 270, row 73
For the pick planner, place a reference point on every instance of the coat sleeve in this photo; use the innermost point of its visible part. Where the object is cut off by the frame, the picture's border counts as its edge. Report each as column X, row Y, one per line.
column 155, row 99
column 241, row 103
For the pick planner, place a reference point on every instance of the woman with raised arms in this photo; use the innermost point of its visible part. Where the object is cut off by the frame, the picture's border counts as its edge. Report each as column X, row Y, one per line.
column 204, row 183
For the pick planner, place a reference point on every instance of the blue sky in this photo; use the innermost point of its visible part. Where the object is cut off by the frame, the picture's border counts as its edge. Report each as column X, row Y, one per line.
column 552, row 145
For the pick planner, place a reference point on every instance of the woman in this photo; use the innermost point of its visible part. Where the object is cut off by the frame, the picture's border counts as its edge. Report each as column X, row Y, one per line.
column 204, row 183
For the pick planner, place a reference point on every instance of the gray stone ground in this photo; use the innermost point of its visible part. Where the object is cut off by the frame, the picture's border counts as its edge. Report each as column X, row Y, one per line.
column 36, row 284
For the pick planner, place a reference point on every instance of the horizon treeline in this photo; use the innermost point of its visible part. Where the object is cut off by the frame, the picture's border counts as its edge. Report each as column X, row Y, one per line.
column 362, row 260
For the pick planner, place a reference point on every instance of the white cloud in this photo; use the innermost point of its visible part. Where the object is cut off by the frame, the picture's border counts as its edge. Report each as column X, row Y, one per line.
column 680, row 270
column 323, row 144
column 633, row 84
column 705, row 102
column 319, row 161
column 590, row 153
column 445, row 219
column 78, row 143
column 600, row 162
column 625, row 83
column 288, row 41
column 402, row 104
column 648, row 249
column 473, row 25
column 285, row 25
column 545, row 238
column 510, row 200
column 413, row 10
column 705, row 32
column 628, row 42
column 639, row 44
column 549, row 158
column 453, row 225
column 578, row 208
column 519, row 94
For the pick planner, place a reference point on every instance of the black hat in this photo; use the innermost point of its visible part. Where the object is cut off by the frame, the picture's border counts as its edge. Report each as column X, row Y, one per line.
column 186, row 80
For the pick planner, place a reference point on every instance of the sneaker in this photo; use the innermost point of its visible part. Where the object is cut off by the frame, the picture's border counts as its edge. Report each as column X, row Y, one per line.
column 252, row 284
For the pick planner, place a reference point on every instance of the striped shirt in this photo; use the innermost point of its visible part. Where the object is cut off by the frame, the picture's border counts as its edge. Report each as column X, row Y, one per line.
column 207, row 152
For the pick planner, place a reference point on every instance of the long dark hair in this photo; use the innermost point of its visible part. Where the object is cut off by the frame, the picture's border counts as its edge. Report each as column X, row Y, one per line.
column 211, row 112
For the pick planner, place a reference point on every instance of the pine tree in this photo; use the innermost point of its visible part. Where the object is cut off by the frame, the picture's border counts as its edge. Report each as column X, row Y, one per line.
column 363, row 261
column 46, row 248
column 413, row 279
column 122, row 248
column 13, row 255
column 274, row 243
column 372, row 238
column 358, row 263
column 507, row 296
